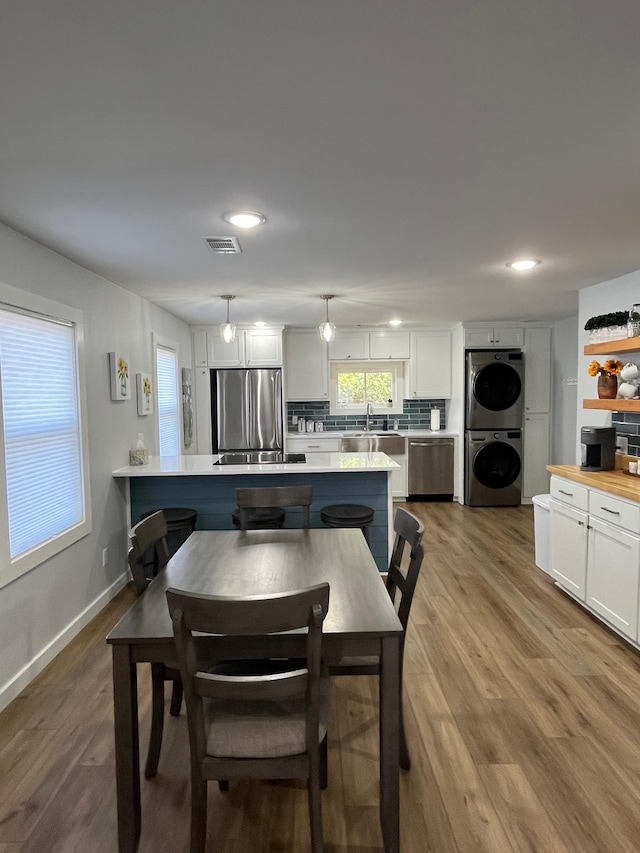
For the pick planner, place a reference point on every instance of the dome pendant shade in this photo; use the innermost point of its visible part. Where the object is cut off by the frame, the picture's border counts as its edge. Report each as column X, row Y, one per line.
column 327, row 329
column 227, row 329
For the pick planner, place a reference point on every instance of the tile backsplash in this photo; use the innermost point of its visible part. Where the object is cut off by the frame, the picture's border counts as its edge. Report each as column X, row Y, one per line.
column 628, row 424
column 416, row 414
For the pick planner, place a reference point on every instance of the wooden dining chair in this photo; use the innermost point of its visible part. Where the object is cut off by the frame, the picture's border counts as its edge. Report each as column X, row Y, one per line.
column 148, row 554
column 277, row 496
column 400, row 586
column 265, row 726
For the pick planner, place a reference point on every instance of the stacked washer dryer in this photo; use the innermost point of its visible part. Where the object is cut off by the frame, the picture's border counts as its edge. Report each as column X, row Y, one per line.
column 493, row 427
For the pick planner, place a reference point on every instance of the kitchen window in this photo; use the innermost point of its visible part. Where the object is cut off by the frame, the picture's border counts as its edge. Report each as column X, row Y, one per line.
column 45, row 504
column 354, row 384
column 168, row 397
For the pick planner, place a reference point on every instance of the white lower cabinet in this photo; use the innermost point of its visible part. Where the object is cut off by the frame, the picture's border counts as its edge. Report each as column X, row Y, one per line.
column 399, row 477
column 613, row 571
column 595, row 552
column 535, row 479
column 568, row 530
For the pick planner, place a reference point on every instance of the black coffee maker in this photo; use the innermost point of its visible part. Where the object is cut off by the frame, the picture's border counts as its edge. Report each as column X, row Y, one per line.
column 598, row 448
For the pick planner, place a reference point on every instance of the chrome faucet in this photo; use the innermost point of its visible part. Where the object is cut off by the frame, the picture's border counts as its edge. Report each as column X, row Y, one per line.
column 367, row 425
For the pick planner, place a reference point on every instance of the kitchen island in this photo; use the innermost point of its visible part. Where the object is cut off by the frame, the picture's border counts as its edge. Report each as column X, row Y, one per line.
column 199, row 483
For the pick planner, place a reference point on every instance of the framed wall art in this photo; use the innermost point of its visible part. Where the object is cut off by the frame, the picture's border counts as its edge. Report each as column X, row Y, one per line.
column 144, row 393
column 120, row 374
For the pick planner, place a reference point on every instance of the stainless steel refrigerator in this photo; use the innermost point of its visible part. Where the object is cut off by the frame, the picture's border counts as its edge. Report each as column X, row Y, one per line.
column 246, row 409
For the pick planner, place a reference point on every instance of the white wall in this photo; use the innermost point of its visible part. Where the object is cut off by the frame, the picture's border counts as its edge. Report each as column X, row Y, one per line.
column 564, row 370
column 43, row 609
column 618, row 294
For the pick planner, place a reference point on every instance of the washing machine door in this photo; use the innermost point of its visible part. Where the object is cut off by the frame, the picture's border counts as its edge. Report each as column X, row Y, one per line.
column 494, row 390
column 496, row 465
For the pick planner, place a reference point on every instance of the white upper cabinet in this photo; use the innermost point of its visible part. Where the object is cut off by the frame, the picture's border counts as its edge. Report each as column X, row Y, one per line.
column 200, row 357
column 263, row 348
column 307, row 371
column 537, row 369
column 250, row 348
column 349, row 345
column 390, row 345
column 430, row 364
column 495, row 336
column 221, row 354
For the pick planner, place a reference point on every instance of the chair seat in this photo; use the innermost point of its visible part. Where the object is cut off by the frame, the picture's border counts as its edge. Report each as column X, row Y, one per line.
column 262, row 729
column 261, row 518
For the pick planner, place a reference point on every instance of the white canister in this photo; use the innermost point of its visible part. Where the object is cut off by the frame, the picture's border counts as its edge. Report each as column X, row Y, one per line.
column 310, row 426
column 319, row 426
column 435, row 419
column 301, row 426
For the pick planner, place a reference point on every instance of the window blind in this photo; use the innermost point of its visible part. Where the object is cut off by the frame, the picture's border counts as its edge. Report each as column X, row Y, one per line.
column 168, row 414
column 43, row 450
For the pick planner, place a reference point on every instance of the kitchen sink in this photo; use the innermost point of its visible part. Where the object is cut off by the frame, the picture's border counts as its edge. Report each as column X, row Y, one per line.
column 371, row 442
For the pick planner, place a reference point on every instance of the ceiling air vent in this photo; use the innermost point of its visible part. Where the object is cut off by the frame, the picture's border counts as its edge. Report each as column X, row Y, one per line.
column 223, row 245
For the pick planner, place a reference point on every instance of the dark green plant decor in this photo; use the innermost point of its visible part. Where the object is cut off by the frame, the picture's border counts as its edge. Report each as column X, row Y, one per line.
column 602, row 321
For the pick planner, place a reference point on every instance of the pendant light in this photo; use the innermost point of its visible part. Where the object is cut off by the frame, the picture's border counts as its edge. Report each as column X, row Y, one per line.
column 227, row 329
column 327, row 329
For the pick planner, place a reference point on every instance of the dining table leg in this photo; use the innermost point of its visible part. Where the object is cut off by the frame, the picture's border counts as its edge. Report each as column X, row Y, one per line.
column 390, row 743
column 127, row 747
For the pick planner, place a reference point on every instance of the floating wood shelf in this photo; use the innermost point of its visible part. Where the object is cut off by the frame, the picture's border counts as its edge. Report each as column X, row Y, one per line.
column 613, row 405
column 618, row 345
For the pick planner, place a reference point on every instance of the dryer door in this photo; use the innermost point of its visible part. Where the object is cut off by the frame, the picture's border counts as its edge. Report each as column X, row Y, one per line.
column 496, row 465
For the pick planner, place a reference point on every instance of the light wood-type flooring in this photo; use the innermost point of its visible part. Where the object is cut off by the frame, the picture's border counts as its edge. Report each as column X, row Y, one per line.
column 523, row 720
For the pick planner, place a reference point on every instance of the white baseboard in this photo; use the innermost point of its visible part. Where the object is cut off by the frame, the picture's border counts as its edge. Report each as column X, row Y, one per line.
column 25, row 676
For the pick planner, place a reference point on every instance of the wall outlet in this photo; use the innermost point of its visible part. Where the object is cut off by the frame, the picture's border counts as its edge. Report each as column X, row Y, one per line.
column 105, row 556
column 622, row 444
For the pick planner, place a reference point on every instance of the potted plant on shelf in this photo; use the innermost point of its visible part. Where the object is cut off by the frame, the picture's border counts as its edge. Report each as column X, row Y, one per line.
column 607, row 374
column 606, row 327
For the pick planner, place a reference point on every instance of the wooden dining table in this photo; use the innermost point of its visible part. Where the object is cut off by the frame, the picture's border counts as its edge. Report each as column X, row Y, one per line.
column 361, row 620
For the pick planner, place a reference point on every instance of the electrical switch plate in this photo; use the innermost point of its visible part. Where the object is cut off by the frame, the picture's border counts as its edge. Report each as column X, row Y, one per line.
column 622, row 444
column 105, row 556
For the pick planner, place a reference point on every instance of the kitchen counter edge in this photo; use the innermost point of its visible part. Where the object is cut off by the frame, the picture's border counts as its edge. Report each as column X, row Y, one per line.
column 614, row 482
column 203, row 466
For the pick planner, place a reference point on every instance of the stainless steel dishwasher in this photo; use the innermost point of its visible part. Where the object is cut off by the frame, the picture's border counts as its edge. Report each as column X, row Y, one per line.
column 430, row 463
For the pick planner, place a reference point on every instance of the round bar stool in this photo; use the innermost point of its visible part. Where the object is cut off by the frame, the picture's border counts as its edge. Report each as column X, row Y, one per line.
column 261, row 518
column 181, row 522
column 347, row 515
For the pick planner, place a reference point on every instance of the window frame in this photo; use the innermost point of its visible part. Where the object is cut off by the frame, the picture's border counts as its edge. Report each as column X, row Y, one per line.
column 397, row 370
column 13, row 299
column 159, row 341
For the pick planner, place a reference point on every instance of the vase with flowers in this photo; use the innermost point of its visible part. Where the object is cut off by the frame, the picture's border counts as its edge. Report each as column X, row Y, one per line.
column 607, row 374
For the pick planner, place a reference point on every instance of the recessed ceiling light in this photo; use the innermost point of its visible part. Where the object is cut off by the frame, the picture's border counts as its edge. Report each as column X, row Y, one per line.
column 245, row 218
column 395, row 322
column 524, row 264
column 259, row 323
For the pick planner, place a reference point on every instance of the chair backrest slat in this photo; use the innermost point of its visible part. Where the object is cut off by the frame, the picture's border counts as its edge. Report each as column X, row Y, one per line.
column 280, row 496
column 409, row 531
column 151, row 532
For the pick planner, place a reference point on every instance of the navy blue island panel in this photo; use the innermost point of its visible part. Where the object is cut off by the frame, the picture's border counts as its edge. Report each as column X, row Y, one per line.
column 214, row 499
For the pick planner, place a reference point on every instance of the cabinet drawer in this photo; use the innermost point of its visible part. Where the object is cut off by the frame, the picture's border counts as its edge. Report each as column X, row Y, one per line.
column 314, row 445
column 570, row 493
column 615, row 511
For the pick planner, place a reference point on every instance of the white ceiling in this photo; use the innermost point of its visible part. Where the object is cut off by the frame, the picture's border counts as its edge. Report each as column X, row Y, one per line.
column 402, row 151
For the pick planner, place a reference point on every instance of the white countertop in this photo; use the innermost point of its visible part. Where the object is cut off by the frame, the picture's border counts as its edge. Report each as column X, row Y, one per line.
column 408, row 433
column 317, row 463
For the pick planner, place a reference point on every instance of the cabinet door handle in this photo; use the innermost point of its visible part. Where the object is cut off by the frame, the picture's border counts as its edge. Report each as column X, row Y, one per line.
column 568, row 494
column 612, row 511
column 310, row 446
column 581, row 523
